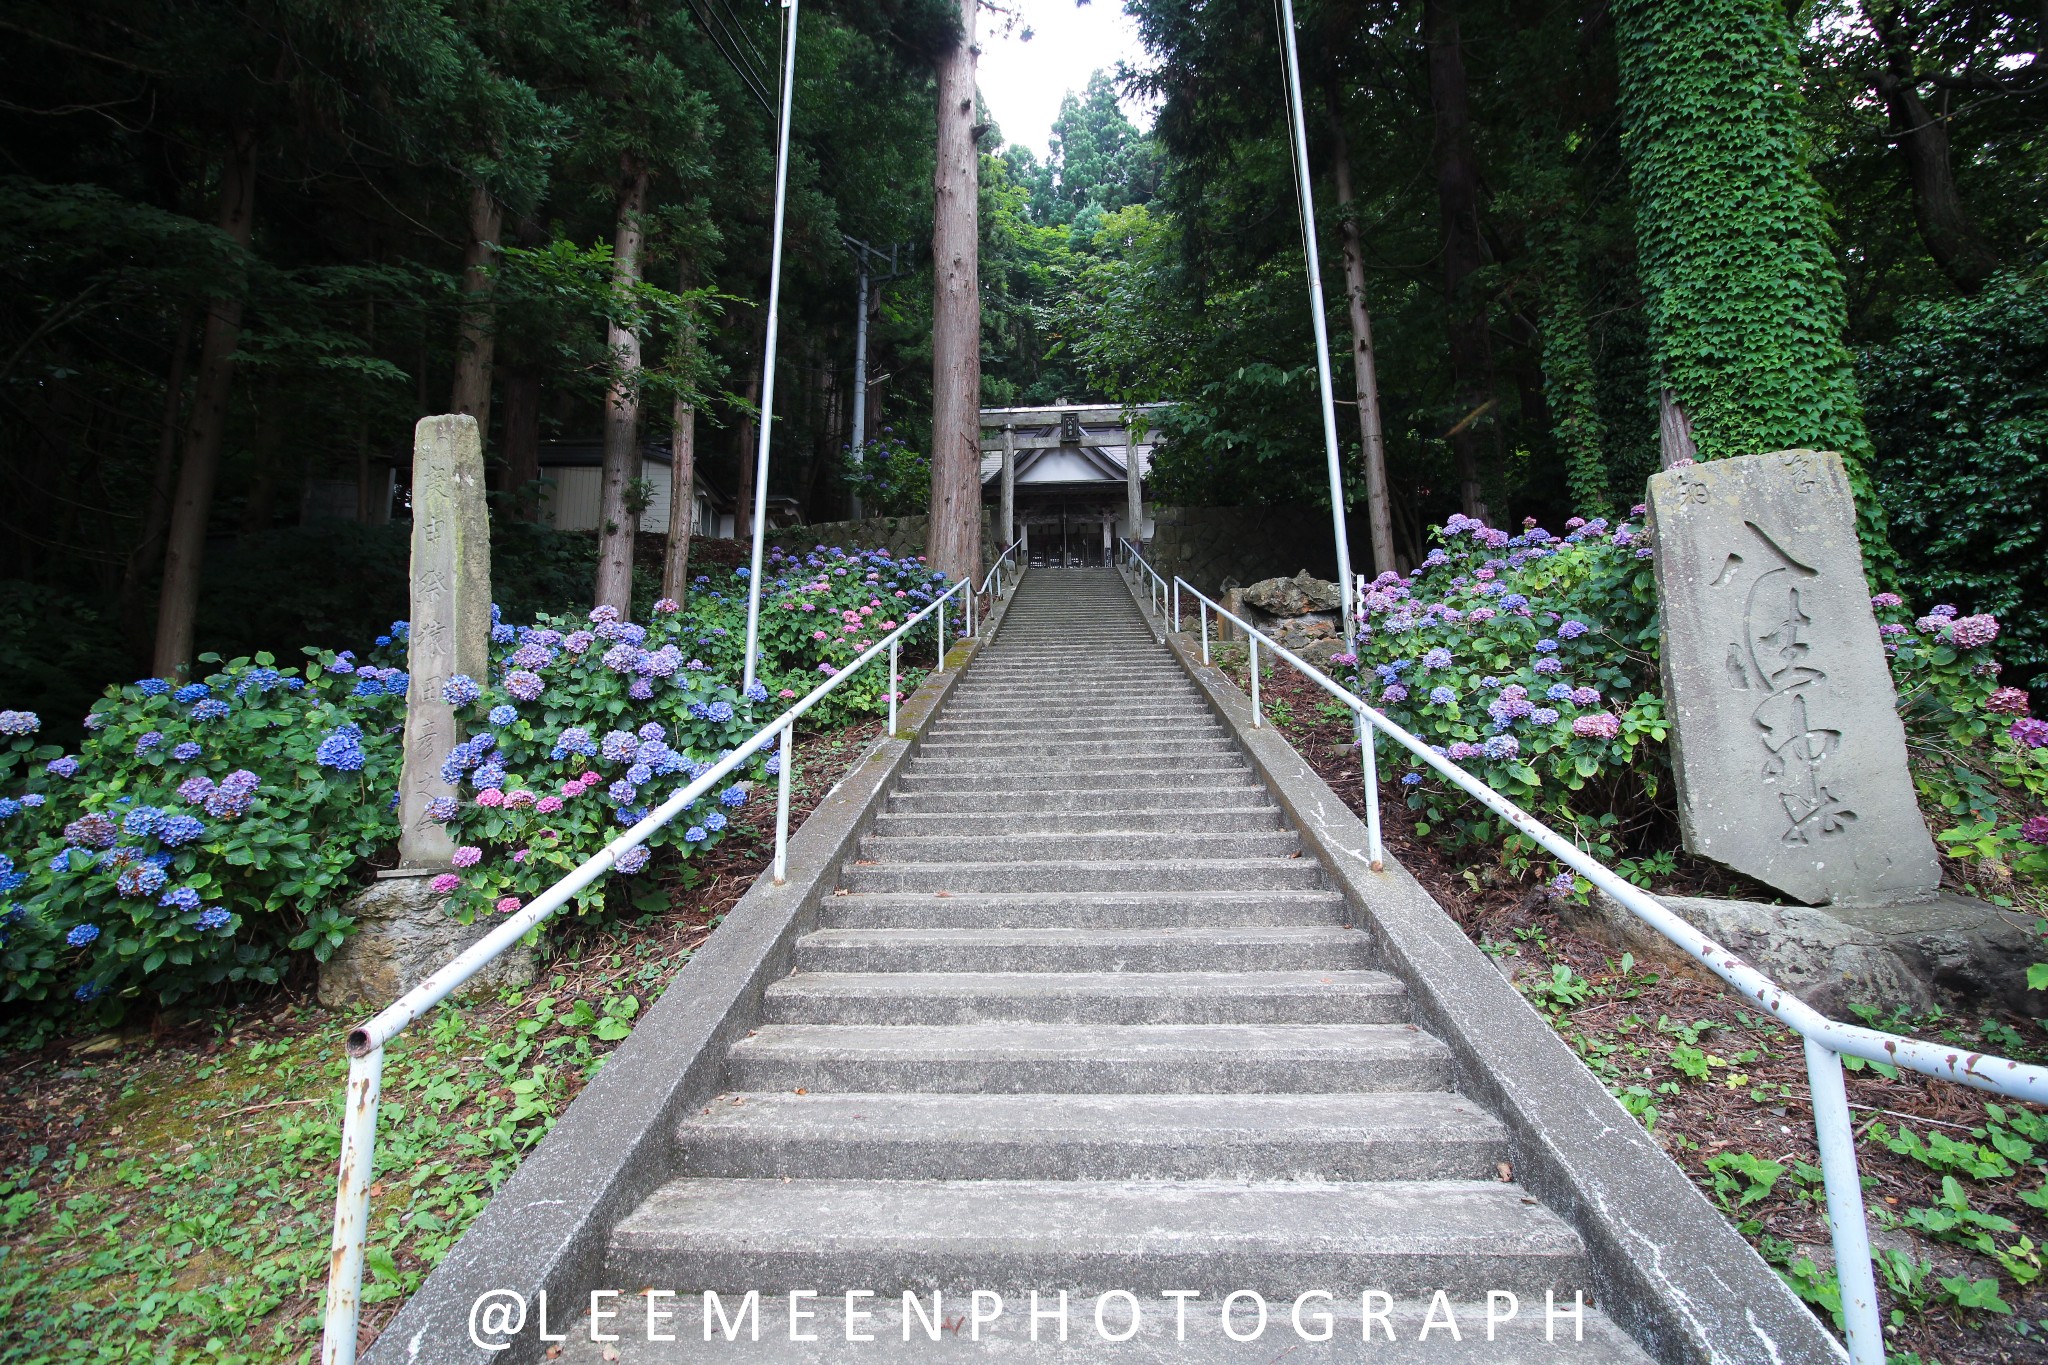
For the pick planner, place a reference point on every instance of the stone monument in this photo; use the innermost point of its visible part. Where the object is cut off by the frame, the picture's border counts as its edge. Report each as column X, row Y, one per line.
column 403, row 929
column 1786, row 740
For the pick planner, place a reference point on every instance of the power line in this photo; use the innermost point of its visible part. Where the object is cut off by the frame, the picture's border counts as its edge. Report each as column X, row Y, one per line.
column 733, row 50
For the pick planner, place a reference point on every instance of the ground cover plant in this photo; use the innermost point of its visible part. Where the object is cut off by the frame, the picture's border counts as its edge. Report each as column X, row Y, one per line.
column 166, row 1192
column 204, row 836
column 1957, row 1180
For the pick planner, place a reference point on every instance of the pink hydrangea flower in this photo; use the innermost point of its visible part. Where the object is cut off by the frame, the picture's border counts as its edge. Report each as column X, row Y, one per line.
column 2008, row 701
column 508, row 904
column 548, row 805
column 518, row 800
column 1599, row 725
column 571, row 790
column 787, row 693
column 1971, row 632
column 445, row 883
column 590, row 779
column 1887, row 599
column 490, row 796
column 469, row 855
column 519, row 855
column 668, row 606
column 819, row 635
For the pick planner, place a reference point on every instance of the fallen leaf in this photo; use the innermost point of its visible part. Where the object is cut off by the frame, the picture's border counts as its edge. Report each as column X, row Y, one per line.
column 1507, row 1172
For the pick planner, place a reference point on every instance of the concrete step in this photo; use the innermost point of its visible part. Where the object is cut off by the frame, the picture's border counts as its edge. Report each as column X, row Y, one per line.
column 1189, row 722
column 944, row 799
column 1144, row 757
column 1206, row 820
column 1180, row 874
column 1010, row 778
column 1010, row 716
column 1406, row 1237
column 1089, row 910
column 884, row 998
column 970, row 851
column 942, row 1329
column 1402, row 1135
column 1132, row 744
column 1011, row 1058
column 1273, row 948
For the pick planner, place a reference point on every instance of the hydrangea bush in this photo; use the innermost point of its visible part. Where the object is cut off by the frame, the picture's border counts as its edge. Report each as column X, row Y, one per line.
column 1531, row 660
column 205, row 832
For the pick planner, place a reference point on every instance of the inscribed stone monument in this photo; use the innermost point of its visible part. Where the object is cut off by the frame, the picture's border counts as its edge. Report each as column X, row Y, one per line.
column 1786, row 740
column 403, row 929
column 450, row 623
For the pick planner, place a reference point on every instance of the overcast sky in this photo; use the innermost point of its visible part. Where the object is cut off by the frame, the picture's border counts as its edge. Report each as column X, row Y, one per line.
column 1023, row 82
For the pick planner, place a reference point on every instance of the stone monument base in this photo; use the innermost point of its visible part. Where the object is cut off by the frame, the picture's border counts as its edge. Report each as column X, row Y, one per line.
column 403, row 934
column 1947, row 950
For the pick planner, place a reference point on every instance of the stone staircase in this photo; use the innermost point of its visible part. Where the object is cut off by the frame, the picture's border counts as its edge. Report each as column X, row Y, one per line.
column 1084, row 1016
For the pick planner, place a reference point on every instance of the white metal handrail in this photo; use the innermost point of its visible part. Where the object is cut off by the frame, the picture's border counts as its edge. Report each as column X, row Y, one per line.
column 1826, row 1040
column 995, row 570
column 366, row 1042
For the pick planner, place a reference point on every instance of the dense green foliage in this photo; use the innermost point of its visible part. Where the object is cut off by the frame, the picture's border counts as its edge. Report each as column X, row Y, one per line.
column 204, row 833
column 1958, row 405
column 1744, row 298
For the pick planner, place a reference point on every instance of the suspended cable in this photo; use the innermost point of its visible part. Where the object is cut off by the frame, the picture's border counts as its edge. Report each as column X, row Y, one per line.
column 721, row 42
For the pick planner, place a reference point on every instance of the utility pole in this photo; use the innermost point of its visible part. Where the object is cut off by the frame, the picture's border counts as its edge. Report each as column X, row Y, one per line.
column 866, row 258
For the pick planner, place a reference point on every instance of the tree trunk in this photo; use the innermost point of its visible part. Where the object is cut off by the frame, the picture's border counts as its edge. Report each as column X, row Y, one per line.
column 150, row 546
column 259, row 510
column 185, row 539
column 1365, row 372
column 682, row 502
column 521, row 446
column 477, row 340
column 954, row 544
column 1675, row 443
column 1457, row 192
column 1922, row 139
column 616, row 524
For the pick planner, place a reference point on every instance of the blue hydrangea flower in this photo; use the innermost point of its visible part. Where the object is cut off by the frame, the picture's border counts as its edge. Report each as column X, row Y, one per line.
column 461, row 690
column 341, row 751
column 488, row 776
column 192, row 692
column 395, row 683
column 1572, row 630
column 1411, row 779
column 211, row 709
column 67, row 766
column 619, row 746
column 443, row 809
column 1546, row 646
column 774, row 765
column 9, row 808
column 719, row 711
column 695, row 835
column 640, row 772
column 148, row 740
column 1442, row 696
column 62, row 862
column 180, row 898
column 503, row 715
column 502, row 635
column 186, row 752
column 757, row 693
column 1543, row 715
column 734, row 796
column 367, row 686
column 632, row 860
column 153, row 687
column 715, row 821
column 1514, row 601
column 214, row 918
column 82, row 934
column 1500, row 748
column 141, row 822
column 175, row 831
column 622, row 791
column 1437, row 658
column 87, row 993
column 33, row 799
column 699, row 711
column 652, row 731
column 1559, row 692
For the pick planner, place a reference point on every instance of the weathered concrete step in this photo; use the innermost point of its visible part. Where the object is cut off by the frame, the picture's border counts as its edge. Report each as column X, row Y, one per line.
column 1183, row 820
column 1212, row 778
column 1011, row 715
column 1182, row 874
column 1154, row 761
column 1077, row 726
column 1087, row 998
column 1080, row 800
column 1426, row 1135
column 1268, row 948
column 1126, row 742
column 1011, row 1058
column 974, row 850
column 1407, row 1237
column 1161, row 1337
column 1089, row 910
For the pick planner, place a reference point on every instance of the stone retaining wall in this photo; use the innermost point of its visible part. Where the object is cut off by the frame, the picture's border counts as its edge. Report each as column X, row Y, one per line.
column 900, row 536
column 1209, row 545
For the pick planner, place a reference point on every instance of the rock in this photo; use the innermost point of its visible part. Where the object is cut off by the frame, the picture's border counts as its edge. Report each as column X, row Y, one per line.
column 1786, row 742
column 1947, row 950
column 1296, row 596
column 404, row 934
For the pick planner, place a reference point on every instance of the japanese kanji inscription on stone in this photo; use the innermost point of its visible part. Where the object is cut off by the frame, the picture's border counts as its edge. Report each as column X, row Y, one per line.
column 1786, row 740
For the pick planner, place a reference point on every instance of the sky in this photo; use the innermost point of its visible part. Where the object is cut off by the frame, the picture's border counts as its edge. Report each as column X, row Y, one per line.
column 1022, row 82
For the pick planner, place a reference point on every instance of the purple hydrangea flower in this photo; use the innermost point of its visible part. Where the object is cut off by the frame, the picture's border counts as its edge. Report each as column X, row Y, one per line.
column 1394, row 692
column 1442, row 696
column 149, row 739
column 1973, row 632
column 1543, row 715
column 632, row 860
column 1500, row 748
column 622, row 792
column 2029, row 732
column 1549, row 664
column 619, row 747
column 1585, row 696
column 1572, row 630
column 524, row 685
column 67, row 766
column 1438, row 657
column 1599, row 725
column 92, row 831
column 461, row 690
column 2035, row 830
column 469, row 855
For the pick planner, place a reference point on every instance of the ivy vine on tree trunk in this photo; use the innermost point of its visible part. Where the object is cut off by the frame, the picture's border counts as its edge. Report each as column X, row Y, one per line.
column 1744, row 295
